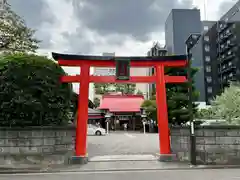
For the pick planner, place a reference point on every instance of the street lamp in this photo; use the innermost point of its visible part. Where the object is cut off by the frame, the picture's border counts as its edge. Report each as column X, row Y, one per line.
column 108, row 116
column 190, row 43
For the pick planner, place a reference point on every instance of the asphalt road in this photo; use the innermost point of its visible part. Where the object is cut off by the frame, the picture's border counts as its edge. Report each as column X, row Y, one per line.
column 121, row 143
column 208, row 174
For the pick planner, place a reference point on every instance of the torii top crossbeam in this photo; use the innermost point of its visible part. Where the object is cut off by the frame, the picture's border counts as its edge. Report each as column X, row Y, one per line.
column 109, row 61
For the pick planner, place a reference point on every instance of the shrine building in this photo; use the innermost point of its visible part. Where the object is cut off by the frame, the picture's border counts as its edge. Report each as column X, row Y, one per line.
column 123, row 109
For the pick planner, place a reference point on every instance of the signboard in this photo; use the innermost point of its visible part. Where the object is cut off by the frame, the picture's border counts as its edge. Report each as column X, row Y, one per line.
column 122, row 69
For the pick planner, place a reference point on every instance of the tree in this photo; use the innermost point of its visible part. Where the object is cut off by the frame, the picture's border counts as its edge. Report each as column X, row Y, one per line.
column 31, row 93
column 177, row 98
column 96, row 102
column 205, row 114
column 227, row 105
column 125, row 88
column 139, row 92
column 15, row 36
column 105, row 88
column 74, row 103
column 150, row 107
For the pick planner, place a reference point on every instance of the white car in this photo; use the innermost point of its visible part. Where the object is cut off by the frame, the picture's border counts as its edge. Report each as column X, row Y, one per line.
column 94, row 130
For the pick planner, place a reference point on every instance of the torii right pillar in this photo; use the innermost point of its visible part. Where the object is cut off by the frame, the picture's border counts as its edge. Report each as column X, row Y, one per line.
column 162, row 115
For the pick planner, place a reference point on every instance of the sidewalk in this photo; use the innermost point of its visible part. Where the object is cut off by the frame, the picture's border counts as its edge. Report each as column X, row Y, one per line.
column 97, row 166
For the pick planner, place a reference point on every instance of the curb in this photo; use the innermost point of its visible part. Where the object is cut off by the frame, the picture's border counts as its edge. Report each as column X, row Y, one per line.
column 34, row 171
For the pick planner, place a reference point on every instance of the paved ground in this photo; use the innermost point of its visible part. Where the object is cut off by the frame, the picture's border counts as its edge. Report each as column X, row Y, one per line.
column 123, row 143
column 207, row 174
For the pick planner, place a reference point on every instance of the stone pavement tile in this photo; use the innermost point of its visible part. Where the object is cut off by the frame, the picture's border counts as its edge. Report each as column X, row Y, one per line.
column 130, row 165
column 132, row 157
column 117, row 166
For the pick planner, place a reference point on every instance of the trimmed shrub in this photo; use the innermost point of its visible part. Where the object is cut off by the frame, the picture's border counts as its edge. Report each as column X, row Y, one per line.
column 31, row 93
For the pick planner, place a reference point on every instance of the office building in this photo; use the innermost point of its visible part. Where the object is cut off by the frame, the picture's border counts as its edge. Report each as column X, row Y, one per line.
column 197, row 61
column 222, row 64
column 210, row 63
column 179, row 25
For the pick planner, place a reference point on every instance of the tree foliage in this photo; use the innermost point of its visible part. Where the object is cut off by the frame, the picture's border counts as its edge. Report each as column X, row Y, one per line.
column 31, row 93
column 96, row 102
column 15, row 36
column 125, row 88
column 150, row 107
column 205, row 114
column 102, row 88
column 227, row 105
column 105, row 88
column 139, row 92
column 177, row 98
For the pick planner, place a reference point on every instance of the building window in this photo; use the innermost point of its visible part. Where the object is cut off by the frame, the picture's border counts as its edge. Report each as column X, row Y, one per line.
column 207, row 48
column 228, row 41
column 209, row 89
column 209, row 100
column 206, row 38
column 234, row 26
column 229, row 52
column 219, row 80
column 226, row 19
column 227, row 31
column 207, row 58
column 208, row 68
column 209, row 79
column 205, row 28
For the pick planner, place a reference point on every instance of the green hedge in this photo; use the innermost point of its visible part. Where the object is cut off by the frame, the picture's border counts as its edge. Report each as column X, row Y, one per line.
column 31, row 93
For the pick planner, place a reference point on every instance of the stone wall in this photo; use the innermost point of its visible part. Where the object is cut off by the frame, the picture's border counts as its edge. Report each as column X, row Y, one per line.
column 36, row 145
column 214, row 144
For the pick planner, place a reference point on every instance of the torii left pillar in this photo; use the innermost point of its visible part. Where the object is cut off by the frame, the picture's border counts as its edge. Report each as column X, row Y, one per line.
column 162, row 116
column 82, row 118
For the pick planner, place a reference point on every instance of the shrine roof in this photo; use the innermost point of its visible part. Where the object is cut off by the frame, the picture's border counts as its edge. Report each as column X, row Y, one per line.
column 57, row 56
column 122, row 103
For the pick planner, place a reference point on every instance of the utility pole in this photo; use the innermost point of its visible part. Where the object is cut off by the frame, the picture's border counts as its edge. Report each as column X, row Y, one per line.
column 205, row 10
column 190, row 43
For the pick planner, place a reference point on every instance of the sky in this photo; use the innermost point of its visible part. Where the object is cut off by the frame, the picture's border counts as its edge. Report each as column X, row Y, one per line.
column 126, row 27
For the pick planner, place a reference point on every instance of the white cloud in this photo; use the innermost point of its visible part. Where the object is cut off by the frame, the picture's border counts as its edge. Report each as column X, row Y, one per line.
column 66, row 22
column 211, row 8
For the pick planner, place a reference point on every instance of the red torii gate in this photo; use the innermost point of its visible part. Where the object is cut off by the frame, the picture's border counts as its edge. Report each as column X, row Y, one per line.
column 85, row 62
